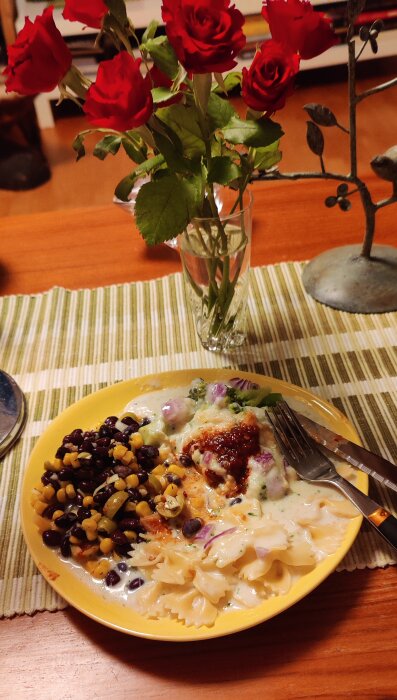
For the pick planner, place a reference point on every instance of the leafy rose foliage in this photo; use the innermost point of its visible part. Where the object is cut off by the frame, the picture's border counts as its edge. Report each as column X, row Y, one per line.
column 90, row 12
column 121, row 97
column 206, row 35
column 39, row 58
column 270, row 79
column 169, row 118
column 298, row 27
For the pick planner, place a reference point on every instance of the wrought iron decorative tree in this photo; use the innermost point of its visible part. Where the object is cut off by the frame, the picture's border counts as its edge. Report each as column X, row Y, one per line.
column 357, row 278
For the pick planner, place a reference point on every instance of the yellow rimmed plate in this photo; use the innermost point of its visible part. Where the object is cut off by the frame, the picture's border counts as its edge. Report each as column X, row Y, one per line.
column 93, row 409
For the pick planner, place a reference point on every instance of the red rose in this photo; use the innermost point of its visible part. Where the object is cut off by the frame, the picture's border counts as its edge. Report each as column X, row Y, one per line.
column 39, row 58
column 206, row 35
column 296, row 25
column 270, row 78
column 121, row 97
column 88, row 12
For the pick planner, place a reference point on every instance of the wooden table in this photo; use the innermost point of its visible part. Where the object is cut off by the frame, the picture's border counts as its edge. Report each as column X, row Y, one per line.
column 339, row 642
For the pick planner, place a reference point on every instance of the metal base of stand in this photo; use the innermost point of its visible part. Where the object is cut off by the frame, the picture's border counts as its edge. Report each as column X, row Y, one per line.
column 341, row 278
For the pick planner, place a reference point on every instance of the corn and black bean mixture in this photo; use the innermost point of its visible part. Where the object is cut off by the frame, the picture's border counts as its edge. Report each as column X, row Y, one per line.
column 104, row 490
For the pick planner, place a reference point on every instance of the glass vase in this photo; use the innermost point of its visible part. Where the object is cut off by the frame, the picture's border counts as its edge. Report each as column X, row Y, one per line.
column 215, row 253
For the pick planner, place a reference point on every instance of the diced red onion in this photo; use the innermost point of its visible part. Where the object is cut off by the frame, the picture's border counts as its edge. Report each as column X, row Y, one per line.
column 265, row 460
column 225, row 532
column 243, row 384
column 261, row 552
column 207, row 457
column 204, row 532
column 215, row 391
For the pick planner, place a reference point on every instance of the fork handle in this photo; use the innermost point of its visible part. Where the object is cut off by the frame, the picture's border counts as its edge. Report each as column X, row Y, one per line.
column 384, row 522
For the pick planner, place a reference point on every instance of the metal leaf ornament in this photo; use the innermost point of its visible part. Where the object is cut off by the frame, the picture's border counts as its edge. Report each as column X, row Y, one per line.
column 315, row 139
column 320, row 114
column 385, row 165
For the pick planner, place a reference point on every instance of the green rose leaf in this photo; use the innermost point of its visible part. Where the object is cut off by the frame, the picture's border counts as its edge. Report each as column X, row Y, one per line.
column 259, row 133
column 78, row 145
column 222, row 170
column 268, row 157
column 228, row 82
column 164, row 208
column 162, row 94
column 125, row 185
column 150, row 30
column 220, row 112
column 109, row 144
column 171, row 153
column 162, row 54
column 183, row 120
column 137, row 152
column 118, row 9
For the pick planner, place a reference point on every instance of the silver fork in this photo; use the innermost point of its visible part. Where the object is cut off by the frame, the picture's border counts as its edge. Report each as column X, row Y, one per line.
column 311, row 464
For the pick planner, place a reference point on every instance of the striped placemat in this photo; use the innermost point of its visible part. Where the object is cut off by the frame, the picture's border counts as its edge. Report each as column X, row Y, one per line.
column 63, row 344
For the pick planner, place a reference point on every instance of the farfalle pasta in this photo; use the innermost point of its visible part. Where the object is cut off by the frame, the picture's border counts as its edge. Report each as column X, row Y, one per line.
column 184, row 506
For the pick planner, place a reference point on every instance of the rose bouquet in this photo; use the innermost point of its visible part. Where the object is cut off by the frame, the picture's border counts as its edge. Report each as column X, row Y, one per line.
column 162, row 99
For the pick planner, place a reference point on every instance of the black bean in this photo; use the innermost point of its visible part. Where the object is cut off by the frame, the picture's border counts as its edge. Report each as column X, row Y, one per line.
column 112, row 578
column 235, row 500
column 50, row 510
column 76, row 437
column 66, row 520
column 130, row 524
column 87, row 446
column 105, row 431
column 83, row 513
column 61, row 451
column 79, row 499
column 124, row 549
column 119, row 537
column 122, row 566
column 174, row 479
column 111, row 421
column 87, row 486
column 191, row 526
column 131, row 429
column 135, row 583
column 65, row 547
column 52, row 538
column 143, row 477
column 122, row 470
column 121, row 437
column 78, row 532
column 185, row 460
column 66, row 474
column 145, row 421
column 134, row 495
column 146, row 456
column 46, row 477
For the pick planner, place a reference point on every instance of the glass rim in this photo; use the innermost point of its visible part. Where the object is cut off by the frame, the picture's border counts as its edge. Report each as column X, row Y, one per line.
column 237, row 212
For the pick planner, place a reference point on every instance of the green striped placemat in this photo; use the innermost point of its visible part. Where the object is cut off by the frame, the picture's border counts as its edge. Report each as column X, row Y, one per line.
column 63, row 344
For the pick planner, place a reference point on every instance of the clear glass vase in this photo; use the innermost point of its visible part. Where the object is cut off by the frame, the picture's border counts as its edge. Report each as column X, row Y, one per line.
column 215, row 254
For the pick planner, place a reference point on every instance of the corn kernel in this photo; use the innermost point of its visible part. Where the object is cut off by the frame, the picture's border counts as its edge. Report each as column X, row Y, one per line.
column 74, row 540
column 57, row 514
column 177, row 470
column 107, row 545
column 143, row 508
column 96, row 516
column 132, row 481
column 159, row 470
column 67, row 458
column 57, row 464
column 120, row 485
column 171, row 490
column 40, row 507
column 136, row 440
column 197, row 502
column 88, row 501
column 130, row 535
column 61, row 496
column 164, row 452
column 89, row 524
column 101, row 569
column 119, row 451
column 48, row 492
column 91, row 535
column 70, row 491
column 90, row 566
column 129, row 507
column 128, row 457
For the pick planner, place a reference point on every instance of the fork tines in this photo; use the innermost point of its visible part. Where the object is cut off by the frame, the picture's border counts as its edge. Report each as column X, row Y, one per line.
column 288, row 431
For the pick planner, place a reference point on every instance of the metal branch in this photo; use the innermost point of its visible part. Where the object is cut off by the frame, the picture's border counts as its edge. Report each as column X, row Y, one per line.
column 374, row 90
